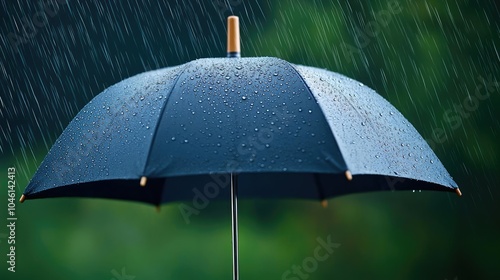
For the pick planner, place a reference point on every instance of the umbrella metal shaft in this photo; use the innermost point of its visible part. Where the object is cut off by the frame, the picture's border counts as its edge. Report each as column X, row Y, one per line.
column 234, row 217
column 233, row 50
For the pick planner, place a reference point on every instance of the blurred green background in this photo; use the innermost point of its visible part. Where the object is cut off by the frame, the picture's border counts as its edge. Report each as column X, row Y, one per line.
column 429, row 58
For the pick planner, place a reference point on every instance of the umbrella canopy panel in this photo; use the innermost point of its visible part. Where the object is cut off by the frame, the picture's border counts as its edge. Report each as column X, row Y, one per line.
column 373, row 136
column 242, row 115
column 110, row 137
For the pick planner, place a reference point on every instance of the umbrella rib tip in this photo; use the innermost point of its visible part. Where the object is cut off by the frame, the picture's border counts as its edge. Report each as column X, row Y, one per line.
column 143, row 181
column 459, row 193
column 324, row 203
column 348, row 175
column 22, row 199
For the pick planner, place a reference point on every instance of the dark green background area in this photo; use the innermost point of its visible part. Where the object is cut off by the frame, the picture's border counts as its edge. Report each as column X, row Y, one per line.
column 437, row 61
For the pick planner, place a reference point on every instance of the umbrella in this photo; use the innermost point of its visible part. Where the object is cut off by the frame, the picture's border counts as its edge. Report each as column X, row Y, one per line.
column 262, row 126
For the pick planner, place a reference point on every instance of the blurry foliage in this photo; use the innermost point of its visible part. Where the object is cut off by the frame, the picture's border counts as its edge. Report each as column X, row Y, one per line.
column 425, row 59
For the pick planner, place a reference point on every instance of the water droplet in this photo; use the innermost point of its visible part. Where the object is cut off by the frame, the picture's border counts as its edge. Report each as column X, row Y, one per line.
column 173, row 138
column 432, row 162
column 244, row 97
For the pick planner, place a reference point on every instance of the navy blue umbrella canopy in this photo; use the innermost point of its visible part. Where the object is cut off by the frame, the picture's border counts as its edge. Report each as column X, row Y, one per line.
column 288, row 130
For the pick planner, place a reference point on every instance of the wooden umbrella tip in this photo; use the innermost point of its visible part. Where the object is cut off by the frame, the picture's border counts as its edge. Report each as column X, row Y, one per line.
column 459, row 193
column 348, row 175
column 324, row 203
column 143, row 181
column 233, row 36
column 22, row 199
